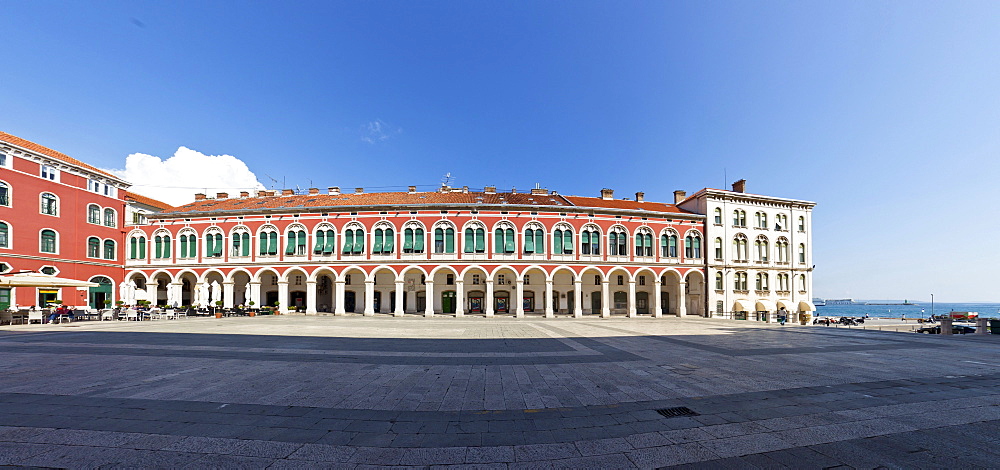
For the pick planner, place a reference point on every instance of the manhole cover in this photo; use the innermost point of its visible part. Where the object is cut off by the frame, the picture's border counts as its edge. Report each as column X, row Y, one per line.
column 675, row 412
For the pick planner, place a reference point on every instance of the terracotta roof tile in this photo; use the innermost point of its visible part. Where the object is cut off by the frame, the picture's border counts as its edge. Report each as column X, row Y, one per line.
column 27, row 144
column 584, row 201
column 147, row 201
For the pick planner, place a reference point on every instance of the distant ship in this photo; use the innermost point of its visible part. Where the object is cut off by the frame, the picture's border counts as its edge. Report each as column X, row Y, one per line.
column 841, row 302
column 819, row 302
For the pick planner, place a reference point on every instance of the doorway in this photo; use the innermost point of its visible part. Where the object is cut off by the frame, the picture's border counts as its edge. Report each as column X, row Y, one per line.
column 448, row 301
column 595, row 303
column 101, row 293
column 350, row 301
column 641, row 303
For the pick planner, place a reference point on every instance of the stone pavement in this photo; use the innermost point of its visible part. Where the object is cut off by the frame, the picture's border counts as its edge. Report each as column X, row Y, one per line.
column 293, row 391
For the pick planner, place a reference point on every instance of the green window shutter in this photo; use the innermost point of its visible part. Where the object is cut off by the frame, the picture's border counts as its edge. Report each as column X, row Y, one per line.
column 166, row 247
column 142, row 247
column 469, row 245
column 290, row 243
column 418, row 240
column 567, row 242
column 272, row 243
column 585, row 238
column 529, row 241
column 449, row 240
column 303, row 241
column 330, row 242
column 438, row 240
column 218, row 244
column 408, row 240
column 377, row 247
column 557, row 242
column 320, row 242
column 192, row 246
column 245, row 237
column 133, row 248
column 390, row 238
column 498, row 241
column 480, row 240
column 184, row 245
column 348, row 242
column 359, row 241
column 509, row 241
column 262, row 243
column 539, row 241
column 158, row 244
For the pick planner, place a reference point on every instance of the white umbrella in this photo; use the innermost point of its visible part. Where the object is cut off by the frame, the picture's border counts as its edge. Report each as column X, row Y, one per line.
column 41, row 280
column 216, row 291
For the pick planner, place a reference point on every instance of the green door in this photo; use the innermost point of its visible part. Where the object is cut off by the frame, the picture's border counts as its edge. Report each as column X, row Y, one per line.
column 100, row 293
column 448, row 301
column 4, row 299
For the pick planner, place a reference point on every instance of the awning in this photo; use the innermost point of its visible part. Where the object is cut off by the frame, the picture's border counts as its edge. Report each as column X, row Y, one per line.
column 740, row 305
column 764, row 305
column 41, row 280
column 805, row 306
column 783, row 305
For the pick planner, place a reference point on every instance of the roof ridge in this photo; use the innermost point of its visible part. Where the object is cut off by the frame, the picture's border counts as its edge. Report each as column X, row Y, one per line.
column 38, row 148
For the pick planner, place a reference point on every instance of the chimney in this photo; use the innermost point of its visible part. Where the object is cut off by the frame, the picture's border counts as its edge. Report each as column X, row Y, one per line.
column 539, row 191
column 334, row 190
column 639, row 195
column 607, row 194
column 313, row 190
column 287, row 192
column 222, row 195
column 740, row 186
column 679, row 196
column 359, row 190
column 445, row 188
column 513, row 190
column 199, row 196
column 465, row 189
column 412, row 189
column 490, row 190
column 261, row 192
column 244, row 193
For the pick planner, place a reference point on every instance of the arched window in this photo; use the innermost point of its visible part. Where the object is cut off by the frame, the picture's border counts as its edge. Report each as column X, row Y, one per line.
column 4, row 194
column 781, row 222
column 719, row 283
column 761, row 282
column 562, row 240
column 618, row 242
column 295, row 242
column 740, row 281
column 109, row 249
column 385, row 240
column 161, row 246
column 268, row 242
column 213, row 243
column 802, row 253
column 93, row 214
column 503, row 240
column 763, row 247
column 761, row 219
column 668, row 244
column 781, row 250
column 718, row 248
column 643, row 242
column 413, row 239
column 326, row 241
column 137, row 248
column 241, row 241
column 802, row 282
column 718, row 216
column 534, row 240
column 110, row 219
column 49, row 205
column 354, row 241
column 48, row 241
column 93, row 247
column 189, row 245
column 802, row 224
column 742, row 252
column 739, row 218
column 590, row 241
column 4, row 235
column 475, row 240
column 692, row 246
column 444, row 239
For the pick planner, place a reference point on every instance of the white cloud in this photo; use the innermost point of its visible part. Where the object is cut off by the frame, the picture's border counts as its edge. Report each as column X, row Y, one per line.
column 378, row 131
column 176, row 179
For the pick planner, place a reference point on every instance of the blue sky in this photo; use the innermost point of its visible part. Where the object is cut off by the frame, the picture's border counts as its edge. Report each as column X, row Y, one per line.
column 885, row 113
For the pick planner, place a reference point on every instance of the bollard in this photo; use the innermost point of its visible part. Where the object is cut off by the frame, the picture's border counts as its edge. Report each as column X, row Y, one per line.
column 981, row 326
column 946, row 326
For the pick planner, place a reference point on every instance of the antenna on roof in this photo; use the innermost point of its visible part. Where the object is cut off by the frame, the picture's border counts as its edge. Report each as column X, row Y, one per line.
column 446, row 181
column 273, row 181
column 538, row 186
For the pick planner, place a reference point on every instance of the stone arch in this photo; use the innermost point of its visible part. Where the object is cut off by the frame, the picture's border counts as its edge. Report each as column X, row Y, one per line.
column 592, row 290
column 414, row 290
column 564, row 298
column 695, row 292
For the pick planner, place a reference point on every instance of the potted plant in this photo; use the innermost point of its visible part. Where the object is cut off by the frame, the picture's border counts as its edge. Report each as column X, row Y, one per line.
column 248, row 311
column 251, row 304
column 107, row 302
column 277, row 310
column 218, row 309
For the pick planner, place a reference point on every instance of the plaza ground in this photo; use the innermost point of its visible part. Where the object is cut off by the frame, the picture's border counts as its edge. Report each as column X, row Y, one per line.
column 295, row 391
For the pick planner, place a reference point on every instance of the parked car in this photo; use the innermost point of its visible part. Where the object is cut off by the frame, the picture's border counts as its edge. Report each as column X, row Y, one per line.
column 955, row 329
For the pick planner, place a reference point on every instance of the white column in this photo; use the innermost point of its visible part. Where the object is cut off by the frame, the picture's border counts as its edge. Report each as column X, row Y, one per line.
column 632, row 311
column 283, row 296
column 174, row 297
column 459, row 297
column 578, row 299
column 254, row 294
column 519, row 298
column 605, row 301
column 338, row 302
column 151, row 292
column 400, row 308
column 657, row 299
column 429, row 311
column 311, row 296
column 681, row 299
column 549, row 311
column 227, row 294
column 489, row 298
column 370, row 298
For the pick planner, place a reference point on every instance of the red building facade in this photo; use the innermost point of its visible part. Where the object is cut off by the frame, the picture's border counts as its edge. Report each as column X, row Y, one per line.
column 58, row 216
column 451, row 251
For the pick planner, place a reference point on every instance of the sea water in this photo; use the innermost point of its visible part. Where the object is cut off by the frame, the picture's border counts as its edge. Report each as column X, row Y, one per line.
column 918, row 310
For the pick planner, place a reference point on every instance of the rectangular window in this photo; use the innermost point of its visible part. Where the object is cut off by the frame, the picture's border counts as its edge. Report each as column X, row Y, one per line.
column 48, row 172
